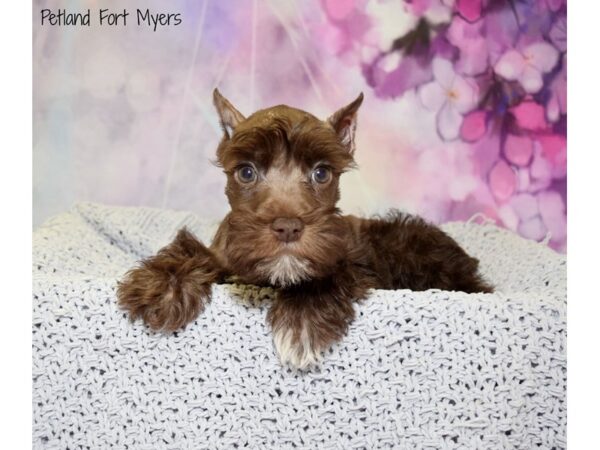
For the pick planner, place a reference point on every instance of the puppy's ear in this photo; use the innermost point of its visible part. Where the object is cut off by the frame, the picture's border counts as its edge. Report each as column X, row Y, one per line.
column 343, row 122
column 229, row 116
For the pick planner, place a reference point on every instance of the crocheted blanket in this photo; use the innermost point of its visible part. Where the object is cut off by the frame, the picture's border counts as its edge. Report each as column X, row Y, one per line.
column 417, row 370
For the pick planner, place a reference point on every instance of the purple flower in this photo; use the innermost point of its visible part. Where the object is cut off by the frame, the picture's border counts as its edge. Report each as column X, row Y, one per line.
column 501, row 31
column 527, row 66
column 450, row 96
column 408, row 63
column 390, row 82
column 494, row 75
column 468, row 38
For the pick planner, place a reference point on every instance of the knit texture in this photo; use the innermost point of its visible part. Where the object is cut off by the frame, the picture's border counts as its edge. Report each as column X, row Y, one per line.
column 417, row 370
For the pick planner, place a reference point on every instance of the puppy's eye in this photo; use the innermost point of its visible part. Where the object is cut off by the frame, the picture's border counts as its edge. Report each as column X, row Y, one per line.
column 246, row 174
column 321, row 175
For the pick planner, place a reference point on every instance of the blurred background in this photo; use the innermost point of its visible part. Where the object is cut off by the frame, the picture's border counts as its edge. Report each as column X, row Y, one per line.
column 464, row 112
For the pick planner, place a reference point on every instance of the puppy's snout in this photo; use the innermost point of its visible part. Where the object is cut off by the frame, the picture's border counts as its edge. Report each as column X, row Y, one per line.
column 287, row 230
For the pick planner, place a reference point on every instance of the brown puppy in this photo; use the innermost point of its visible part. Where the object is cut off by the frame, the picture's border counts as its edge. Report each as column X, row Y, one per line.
column 283, row 167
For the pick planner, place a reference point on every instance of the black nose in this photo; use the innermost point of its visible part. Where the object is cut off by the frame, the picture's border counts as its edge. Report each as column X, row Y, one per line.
column 287, row 230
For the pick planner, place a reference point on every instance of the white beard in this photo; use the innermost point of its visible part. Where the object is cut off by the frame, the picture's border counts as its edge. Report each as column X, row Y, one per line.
column 286, row 270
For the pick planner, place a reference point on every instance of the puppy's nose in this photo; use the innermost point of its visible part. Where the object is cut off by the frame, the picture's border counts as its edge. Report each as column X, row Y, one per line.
column 287, row 230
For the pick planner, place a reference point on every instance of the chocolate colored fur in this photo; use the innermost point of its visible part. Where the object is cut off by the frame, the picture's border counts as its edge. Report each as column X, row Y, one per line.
column 284, row 230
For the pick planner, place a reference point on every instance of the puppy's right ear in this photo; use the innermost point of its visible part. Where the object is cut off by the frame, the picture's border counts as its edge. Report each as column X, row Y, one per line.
column 229, row 116
column 343, row 122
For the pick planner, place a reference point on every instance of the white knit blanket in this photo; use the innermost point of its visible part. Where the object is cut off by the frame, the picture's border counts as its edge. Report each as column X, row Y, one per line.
column 417, row 370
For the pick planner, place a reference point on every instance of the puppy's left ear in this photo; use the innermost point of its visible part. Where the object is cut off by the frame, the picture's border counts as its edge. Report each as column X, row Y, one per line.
column 343, row 122
column 229, row 116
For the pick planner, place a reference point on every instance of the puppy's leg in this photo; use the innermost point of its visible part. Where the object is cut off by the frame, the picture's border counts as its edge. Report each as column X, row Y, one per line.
column 170, row 289
column 409, row 253
column 308, row 318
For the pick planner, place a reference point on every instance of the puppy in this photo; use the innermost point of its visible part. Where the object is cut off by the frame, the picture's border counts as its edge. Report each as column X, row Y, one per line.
column 283, row 167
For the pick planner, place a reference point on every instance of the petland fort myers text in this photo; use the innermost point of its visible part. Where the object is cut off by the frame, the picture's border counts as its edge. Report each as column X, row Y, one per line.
column 109, row 18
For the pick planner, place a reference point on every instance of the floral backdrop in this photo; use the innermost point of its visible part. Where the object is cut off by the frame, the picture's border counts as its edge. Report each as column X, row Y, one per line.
column 465, row 108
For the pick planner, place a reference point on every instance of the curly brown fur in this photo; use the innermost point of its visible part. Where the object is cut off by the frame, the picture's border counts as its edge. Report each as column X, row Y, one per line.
column 409, row 253
column 170, row 289
column 283, row 167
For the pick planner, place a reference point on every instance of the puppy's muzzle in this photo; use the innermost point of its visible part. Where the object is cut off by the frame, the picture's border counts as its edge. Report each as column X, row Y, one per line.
column 287, row 229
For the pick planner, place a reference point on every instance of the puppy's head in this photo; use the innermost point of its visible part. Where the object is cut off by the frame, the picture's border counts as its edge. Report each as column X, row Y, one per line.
column 283, row 167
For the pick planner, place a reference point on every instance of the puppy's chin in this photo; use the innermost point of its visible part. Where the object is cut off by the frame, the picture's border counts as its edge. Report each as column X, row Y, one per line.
column 285, row 270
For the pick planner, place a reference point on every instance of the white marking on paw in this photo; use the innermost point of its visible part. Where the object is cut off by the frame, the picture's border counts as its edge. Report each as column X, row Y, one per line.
column 298, row 353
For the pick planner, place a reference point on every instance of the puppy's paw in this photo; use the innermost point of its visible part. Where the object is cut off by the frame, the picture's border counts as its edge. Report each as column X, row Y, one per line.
column 308, row 321
column 164, row 300
column 170, row 289
column 296, row 348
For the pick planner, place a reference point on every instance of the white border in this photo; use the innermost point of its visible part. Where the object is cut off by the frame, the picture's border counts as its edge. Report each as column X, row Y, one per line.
column 583, row 80
column 583, row 204
column 15, row 188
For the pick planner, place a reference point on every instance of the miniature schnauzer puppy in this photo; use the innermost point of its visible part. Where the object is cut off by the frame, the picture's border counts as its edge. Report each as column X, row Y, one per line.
column 283, row 167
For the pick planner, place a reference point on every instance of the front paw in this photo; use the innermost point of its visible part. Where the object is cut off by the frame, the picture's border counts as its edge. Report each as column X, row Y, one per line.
column 297, row 348
column 304, row 326
column 170, row 289
column 163, row 299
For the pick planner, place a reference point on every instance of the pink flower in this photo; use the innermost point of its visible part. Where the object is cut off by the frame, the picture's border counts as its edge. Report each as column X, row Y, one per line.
column 528, row 65
column 503, row 181
column 530, row 115
column 469, row 9
column 474, row 126
column 450, row 96
column 518, row 149
column 554, row 147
